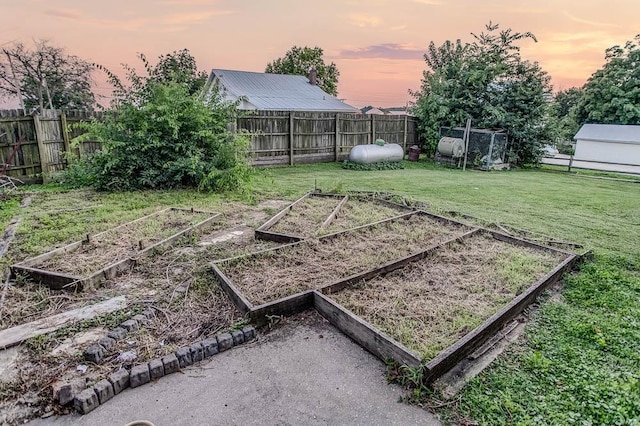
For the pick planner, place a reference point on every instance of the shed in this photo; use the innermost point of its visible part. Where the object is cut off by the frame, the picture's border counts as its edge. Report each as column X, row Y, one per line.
column 608, row 143
column 274, row 92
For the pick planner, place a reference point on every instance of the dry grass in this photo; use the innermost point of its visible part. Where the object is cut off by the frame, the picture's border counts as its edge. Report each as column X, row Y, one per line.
column 360, row 211
column 306, row 217
column 430, row 304
column 276, row 274
column 148, row 282
column 118, row 244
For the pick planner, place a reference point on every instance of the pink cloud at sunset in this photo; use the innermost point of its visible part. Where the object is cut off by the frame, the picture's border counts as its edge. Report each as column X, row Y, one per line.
column 376, row 44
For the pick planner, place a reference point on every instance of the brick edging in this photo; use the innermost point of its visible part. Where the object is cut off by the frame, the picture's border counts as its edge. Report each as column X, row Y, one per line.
column 140, row 374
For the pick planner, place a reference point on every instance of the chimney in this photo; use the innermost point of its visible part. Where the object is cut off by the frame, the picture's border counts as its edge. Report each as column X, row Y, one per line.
column 313, row 77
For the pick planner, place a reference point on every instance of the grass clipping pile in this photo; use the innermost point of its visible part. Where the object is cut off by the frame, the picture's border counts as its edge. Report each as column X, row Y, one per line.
column 275, row 274
column 430, row 304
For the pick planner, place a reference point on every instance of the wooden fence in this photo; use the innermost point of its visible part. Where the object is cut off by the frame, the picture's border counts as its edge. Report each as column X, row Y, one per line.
column 286, row 137
column 277, row 137
column 39, row 144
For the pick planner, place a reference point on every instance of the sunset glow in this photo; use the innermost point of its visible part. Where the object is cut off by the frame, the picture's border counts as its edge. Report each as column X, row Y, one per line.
column 376, row 44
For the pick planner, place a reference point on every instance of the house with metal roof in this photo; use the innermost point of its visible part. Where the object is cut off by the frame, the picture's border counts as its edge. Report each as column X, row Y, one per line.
column 608, row 143
column 274, row 92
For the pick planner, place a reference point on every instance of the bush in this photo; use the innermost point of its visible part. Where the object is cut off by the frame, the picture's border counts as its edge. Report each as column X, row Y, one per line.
column 170, row 139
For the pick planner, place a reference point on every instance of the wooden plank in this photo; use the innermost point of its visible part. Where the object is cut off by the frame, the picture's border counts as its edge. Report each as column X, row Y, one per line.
column 524, row 243
column 44, row 160
column 449, row 357
column 277, row 238
column 232, row 291
column 363, row 333
column 286, row 306
column 343, row 283
column 336, row 143
column 334, row 213
column 391, row 219
column 55, row 280
column 291, row 138
column 268, row 224
column 48, row 255
column 20, row 333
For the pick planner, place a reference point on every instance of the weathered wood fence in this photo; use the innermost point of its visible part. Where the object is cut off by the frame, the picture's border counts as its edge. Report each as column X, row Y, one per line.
column 286, row 137
column 277, row 137
column 44, row 141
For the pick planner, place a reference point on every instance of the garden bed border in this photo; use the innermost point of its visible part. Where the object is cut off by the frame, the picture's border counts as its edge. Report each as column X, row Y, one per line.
column 374, row 340
column 60, row 280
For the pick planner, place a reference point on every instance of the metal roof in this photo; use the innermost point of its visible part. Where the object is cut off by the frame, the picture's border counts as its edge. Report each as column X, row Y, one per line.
column 276, row 92
column 609, row 133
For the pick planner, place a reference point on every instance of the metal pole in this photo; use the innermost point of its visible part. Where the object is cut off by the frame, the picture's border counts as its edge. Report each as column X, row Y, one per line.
column 466, row 143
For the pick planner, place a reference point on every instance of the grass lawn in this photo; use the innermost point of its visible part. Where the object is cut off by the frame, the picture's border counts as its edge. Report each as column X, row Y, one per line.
column 579, row 361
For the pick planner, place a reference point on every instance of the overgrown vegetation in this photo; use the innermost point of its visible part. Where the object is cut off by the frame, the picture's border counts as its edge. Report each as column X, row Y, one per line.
column 489, row 82
column 161, row 132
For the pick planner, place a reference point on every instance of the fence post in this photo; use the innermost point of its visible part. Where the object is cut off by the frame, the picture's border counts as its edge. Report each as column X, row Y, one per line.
column 65, row 135
column 291, row 138
column 337, row 144
column 373, row 128
column 44, row 167
column 570, row 163
column 404, row 139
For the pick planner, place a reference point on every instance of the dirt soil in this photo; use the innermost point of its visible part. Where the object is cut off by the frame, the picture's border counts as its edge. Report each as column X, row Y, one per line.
column 430, row 304
column 314, row 263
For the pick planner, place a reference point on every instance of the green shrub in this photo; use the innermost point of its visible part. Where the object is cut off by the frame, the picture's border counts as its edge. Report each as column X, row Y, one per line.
column 169, row 139
column 382, row 165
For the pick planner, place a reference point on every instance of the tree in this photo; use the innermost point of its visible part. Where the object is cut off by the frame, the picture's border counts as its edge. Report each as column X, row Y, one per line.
column 563, row 114
column 300, row 60
column 45, row 77
column 486, row 80
column 177, row 67
column 612, row 94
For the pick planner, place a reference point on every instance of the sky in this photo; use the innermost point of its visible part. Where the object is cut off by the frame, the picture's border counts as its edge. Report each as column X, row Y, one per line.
column 377, row 45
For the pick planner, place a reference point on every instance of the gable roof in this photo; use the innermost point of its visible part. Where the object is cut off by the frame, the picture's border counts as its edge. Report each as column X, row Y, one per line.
column 263, row 91
column 609, row 133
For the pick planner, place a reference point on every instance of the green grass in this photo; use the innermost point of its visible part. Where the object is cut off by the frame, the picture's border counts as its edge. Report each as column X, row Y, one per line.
column 579, row 360
column 600, row 214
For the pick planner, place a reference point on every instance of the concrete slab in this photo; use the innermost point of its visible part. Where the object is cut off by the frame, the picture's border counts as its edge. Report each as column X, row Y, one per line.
column 304, row 372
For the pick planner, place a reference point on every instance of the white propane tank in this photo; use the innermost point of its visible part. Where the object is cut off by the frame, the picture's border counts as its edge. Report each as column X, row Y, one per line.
column 371, row 153
column 451, row 147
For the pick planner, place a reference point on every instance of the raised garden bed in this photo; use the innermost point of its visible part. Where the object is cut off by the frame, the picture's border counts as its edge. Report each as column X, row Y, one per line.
column 316, row 214
column 431, row 303
column 102, row 256
column 273, row 274
column 307, row 216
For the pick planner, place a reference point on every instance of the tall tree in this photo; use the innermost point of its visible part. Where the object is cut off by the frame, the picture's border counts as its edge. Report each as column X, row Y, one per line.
column 177, row 67
column 45, row 76
column 563, row 114
column 612, row 94
column 300, row 60
column 488, row 81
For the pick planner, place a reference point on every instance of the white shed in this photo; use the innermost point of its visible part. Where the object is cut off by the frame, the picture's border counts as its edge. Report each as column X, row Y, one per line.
column 608, row 143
